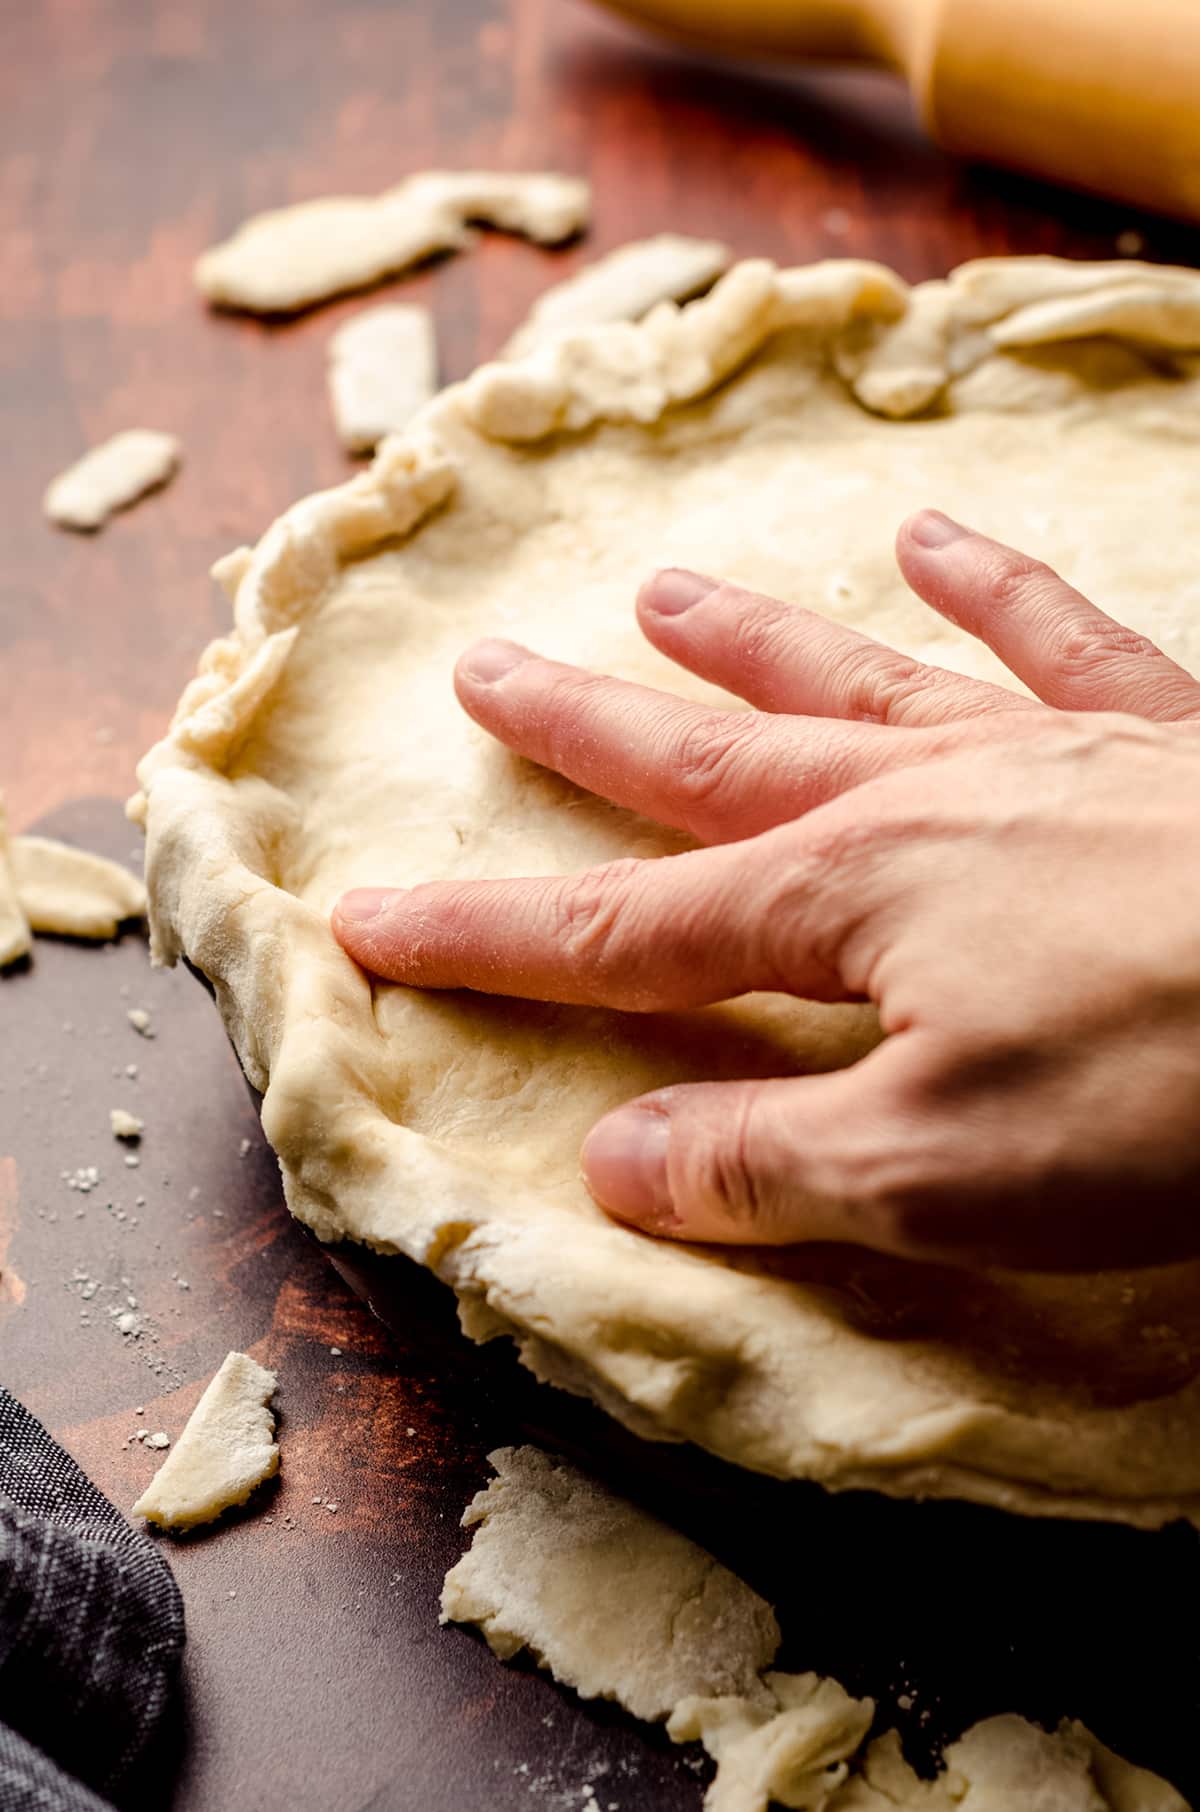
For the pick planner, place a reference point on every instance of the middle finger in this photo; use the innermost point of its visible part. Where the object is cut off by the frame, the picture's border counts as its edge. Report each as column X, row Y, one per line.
column 722, row 775
column 782, row 657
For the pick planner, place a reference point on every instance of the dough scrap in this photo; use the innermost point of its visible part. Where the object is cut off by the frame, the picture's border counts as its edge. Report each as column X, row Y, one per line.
column 225, row 1451
column 125, row 1125
column 71, row 892
column 319, row 748
column 618, row 1606
column 549, row 1548
column 110, row 477
column 1005, row 1762
column 292, row 257
column 16, row 936
column 382, row 369
column 793, row 1752
column 883, row 1781
column 622, row 286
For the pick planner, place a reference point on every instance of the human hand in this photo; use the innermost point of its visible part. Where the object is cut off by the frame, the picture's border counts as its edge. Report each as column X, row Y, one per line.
column 1014, row 883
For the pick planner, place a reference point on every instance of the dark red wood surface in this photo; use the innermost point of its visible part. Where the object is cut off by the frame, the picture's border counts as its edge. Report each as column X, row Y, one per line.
column 133, row 135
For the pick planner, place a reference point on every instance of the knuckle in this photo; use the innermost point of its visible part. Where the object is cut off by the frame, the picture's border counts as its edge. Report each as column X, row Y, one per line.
column 836, row 837
column 708, row 760
column 1087, row 646
column 898, row 1174
column 723, row 1171
column 591, row 916
column 564, row 698
column 757, row 625
column 1017, row 581
column 764, row 635
column 878, row 685
column 802, row 907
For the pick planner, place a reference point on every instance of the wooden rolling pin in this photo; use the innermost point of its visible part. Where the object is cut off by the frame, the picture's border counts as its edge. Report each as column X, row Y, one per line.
column 1104, row 94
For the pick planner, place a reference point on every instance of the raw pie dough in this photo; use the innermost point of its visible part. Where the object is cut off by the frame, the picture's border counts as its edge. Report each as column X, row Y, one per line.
column 52, row 887
column 610, row 1600
column 292, row 257
column 618, row 1606
column 749, row 434
column 16, row 936
column 227, row 1448
column 382, row 368
column 71, row 892
column 623, row 286
column 111, row 476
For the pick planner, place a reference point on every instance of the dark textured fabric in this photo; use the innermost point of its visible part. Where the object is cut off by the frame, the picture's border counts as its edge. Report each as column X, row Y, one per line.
column 91, row 1632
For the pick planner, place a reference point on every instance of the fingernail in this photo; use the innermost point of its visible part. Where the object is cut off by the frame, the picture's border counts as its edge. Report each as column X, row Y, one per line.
column 491, row 660
column 624, row 1161
column 932, row 529
column 363, row 903
column 674, row 590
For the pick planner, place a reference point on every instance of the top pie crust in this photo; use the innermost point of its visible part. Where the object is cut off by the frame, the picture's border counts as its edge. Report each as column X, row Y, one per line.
column 774, row 432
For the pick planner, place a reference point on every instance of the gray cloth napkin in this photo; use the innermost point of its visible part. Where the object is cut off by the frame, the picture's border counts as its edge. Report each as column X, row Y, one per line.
column 91, row 1635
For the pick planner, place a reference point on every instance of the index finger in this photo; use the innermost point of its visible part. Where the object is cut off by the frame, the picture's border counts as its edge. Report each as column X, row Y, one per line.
column 646, row 936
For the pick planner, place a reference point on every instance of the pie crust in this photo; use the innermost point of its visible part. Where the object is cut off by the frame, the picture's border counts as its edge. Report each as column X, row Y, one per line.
column 774, row 432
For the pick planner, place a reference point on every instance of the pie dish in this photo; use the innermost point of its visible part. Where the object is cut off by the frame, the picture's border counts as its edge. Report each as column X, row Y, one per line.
column 774, row 432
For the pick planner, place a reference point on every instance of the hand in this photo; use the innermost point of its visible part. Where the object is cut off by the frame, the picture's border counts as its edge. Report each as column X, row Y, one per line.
column 1014, row 883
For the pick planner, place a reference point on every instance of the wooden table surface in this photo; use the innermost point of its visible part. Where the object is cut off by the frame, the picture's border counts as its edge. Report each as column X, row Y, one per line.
column 133, row 136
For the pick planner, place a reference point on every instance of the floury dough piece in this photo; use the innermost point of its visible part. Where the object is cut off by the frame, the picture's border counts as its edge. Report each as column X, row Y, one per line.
column 610, row 1600
column 46, row 886
column 382, row 369
column 318, row 749
column 292, row 257
column 623, row 286
column 542, row 206
column 618, row 1606
column 1005, row 1763
column 227, row 1448
column 110, row 477
column 71, row 892
column 792, row 1751
column 16, row 936
column 883, row 1781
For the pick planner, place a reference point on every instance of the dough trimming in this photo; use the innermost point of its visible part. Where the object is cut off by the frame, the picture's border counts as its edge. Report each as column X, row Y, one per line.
column 624, row 285
column 47, row 886
column 110, row 477
column 598, row 1591
column 227, row 1448
column 72, row 892
column 290, row 258
column 382, row 369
